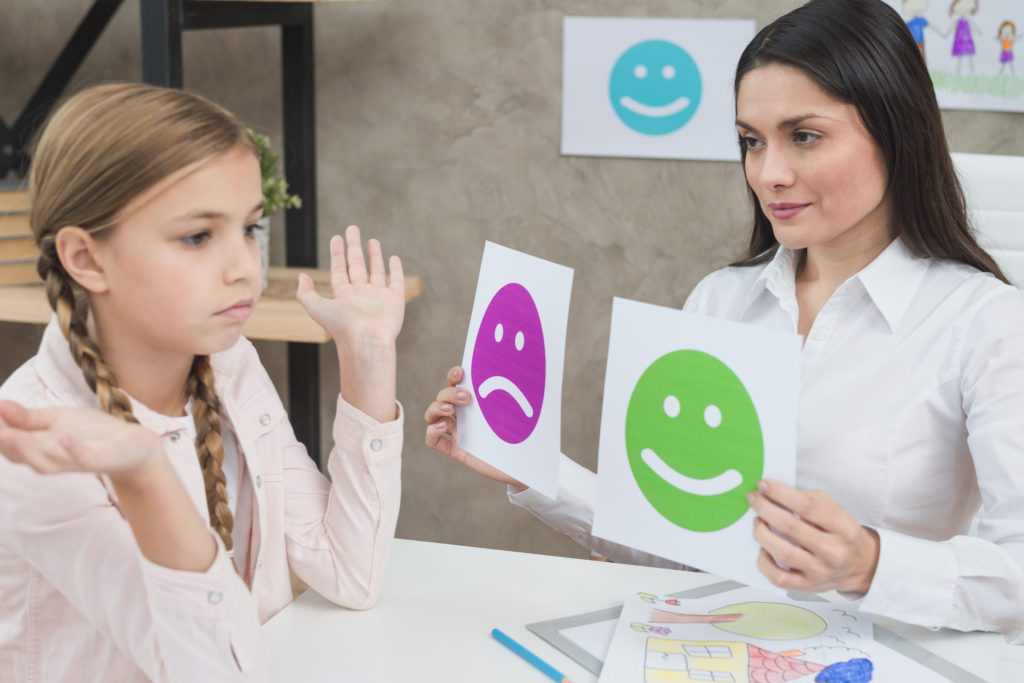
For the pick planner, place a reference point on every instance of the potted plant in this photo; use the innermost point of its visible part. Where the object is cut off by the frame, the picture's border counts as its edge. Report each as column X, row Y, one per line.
column 275, row 197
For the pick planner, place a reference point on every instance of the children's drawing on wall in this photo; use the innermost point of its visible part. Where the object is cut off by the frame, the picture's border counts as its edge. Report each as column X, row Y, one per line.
column 747, row 636
column 969, row 48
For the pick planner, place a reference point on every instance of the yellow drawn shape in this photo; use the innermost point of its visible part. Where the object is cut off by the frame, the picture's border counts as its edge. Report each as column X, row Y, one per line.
column 771, row 621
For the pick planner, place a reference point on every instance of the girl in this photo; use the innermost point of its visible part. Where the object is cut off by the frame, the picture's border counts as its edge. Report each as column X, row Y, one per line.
column 912, row 380
column 1007, row 36
column 154, row 496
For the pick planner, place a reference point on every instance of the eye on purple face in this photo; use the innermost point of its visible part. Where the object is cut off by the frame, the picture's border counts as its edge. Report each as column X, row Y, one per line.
column 508, row 364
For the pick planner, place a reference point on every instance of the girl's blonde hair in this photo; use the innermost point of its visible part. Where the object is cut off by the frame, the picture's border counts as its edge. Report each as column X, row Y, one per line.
column 101, row 149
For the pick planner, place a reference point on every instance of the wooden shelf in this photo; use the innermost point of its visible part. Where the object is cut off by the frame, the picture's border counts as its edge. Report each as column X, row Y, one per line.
column 306, row 1
column 278, row 316
column 13, row 201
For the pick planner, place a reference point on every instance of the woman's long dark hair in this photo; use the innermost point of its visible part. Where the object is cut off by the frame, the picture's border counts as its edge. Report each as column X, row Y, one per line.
column 861, row 53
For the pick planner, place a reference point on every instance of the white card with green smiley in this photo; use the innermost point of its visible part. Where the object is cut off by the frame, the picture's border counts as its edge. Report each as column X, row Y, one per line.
column 696, row 411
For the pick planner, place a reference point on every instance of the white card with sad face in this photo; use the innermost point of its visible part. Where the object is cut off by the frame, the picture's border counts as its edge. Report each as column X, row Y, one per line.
column 515, row 354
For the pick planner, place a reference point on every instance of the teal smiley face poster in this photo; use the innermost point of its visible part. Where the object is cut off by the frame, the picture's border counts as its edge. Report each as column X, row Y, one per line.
column 696, row 411
column 659, row 88
column 655, row 87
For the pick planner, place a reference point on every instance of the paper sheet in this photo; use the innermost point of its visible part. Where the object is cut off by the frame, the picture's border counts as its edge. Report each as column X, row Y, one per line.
column 659, row 88
column 748, row 635
column 514, row 358
column 696, row 411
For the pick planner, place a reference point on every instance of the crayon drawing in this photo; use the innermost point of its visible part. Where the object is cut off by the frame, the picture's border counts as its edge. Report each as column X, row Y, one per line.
column 970, row 47
column 671, row 640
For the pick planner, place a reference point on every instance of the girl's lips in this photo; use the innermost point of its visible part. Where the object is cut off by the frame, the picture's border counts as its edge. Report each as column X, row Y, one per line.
column 240, row 311
column 785, row 210
column 237, row 312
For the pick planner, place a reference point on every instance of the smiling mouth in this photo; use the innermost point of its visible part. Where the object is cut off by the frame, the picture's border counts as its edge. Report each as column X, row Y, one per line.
column 715, row 486
column 659, row 112
column 499, row 383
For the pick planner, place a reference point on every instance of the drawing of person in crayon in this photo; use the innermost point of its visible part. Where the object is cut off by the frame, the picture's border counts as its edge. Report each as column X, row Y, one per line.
column 963, row 38
column 1007, row 36
column 914, row 10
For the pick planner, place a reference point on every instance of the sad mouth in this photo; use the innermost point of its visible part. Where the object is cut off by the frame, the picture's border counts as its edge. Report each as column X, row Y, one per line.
column 657, row 112
column 499, row 383
column 717, row 485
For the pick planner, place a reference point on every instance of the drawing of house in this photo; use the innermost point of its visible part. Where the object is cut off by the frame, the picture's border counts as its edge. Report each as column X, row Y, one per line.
column 678, row 661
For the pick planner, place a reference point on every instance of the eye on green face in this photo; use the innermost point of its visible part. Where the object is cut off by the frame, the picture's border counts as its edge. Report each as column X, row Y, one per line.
column 694, row 441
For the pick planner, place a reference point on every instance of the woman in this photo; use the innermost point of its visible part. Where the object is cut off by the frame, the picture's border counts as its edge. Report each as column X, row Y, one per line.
column 912, row 379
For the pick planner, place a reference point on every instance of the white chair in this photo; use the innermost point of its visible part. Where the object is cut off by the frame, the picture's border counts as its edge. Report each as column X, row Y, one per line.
column 994, row 185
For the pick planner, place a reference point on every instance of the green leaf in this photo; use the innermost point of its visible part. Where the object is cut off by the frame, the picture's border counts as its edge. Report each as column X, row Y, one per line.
column 275, row 187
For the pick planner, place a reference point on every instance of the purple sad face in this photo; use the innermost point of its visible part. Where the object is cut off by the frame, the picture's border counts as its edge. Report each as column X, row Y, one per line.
column 508, row 364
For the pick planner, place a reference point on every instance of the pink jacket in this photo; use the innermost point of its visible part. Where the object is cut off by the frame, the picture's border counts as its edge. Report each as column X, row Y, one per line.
column 79, row 602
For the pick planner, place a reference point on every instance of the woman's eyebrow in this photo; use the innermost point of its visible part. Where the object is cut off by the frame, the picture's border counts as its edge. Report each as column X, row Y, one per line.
column 747, row 126
column 785, row 124
column 795, row 121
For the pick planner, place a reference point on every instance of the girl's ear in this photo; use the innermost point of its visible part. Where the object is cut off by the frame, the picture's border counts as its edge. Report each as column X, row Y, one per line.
column 78, row 251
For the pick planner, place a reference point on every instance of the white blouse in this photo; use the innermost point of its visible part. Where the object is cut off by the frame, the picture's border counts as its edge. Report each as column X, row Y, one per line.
column 911, row 418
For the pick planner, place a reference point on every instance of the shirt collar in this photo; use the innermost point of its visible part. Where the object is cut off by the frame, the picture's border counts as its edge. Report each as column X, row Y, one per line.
column 891, row 280
column 60, row 373
column 778, row 277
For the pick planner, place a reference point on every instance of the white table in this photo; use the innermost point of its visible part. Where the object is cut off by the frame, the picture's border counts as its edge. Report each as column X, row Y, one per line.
column 440, row 602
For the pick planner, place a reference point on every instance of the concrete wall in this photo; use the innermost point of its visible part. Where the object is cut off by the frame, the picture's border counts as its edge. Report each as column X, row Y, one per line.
column 439, row 125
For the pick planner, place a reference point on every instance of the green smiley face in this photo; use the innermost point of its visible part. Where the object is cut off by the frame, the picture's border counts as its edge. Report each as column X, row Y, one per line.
column 694, row 441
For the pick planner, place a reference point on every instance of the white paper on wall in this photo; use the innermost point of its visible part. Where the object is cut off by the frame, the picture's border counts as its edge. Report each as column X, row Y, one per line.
column 660, row 88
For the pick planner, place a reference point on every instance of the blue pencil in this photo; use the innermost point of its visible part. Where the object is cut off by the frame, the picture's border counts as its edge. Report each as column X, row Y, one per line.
column 548, row 670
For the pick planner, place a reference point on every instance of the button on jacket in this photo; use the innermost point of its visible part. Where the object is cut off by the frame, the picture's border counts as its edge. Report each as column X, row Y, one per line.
column 78, row 601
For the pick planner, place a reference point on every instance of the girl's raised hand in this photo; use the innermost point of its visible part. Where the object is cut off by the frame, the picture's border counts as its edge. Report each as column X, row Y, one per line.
column 55, row 440
column 825, row 547
column 366, row 307
column 442, row 430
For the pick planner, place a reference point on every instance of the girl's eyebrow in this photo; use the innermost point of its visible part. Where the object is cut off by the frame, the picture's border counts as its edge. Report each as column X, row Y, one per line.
column 212, row 215
column 786, row 124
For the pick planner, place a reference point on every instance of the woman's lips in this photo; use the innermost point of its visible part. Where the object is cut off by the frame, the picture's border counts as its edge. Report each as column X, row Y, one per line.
column 784, row 210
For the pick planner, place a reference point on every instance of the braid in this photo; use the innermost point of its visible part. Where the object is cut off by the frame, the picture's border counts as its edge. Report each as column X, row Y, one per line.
column 99, row 151
column 72, row 307
column 210, row 446
column 71, row 304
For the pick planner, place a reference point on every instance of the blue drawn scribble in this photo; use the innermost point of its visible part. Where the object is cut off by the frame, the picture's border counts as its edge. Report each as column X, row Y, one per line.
column 854, row 671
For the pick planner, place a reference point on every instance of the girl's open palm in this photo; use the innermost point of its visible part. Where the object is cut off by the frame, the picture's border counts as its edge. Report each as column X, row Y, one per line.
column 55, row 440
column 365, row 304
